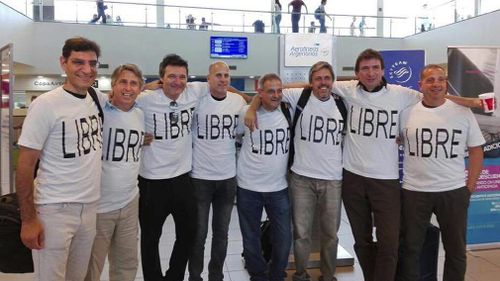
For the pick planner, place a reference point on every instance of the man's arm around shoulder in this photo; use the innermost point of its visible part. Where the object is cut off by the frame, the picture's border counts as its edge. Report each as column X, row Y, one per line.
column 32, row 232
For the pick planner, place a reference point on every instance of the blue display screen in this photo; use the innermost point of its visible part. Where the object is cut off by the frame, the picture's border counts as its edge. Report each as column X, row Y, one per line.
column 228, row 47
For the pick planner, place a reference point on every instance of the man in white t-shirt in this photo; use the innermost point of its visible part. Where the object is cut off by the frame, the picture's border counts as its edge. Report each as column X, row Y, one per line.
column 371, row 190
column 165, row 187
column 214, row 169
column 63, row 130
column 316, row 178
column 436, row 134
column 118, row 207
column 262, row 184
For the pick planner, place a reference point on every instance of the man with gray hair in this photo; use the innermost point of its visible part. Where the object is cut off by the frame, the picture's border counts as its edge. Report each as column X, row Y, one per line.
column 316, row 177
column 262, row 183
column 118, row 207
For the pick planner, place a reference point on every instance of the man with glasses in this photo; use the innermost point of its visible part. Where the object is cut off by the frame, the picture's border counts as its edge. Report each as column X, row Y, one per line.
column 316, row 172
column 63, row 131
column 164, row 184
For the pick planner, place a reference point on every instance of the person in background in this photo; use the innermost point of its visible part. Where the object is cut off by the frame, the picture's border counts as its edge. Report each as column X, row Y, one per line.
column 296, row 13
column 276, row 16
column 436, row 133
column 312, row 27
column 258, row 26
column 62, row 131
column 118, row 20
column 352, row 27
column 100, row 12
column 203, row 24
column 118, row 207
column 322, row 16
column 362, row 27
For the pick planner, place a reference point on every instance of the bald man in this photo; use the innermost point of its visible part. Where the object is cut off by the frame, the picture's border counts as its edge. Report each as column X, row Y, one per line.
column 214, row 169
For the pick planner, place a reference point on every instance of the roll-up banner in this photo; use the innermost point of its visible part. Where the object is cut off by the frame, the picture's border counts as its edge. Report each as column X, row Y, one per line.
column 402, row 67
column 473, row 71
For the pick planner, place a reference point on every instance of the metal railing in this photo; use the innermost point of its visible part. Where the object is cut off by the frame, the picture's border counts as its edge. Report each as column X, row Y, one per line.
column 217, row 19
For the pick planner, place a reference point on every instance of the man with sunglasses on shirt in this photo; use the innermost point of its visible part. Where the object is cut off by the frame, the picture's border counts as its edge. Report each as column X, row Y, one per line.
column 164, row 184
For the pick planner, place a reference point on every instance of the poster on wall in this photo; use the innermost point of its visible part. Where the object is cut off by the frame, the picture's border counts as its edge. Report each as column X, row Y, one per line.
column 307, row 49
column 473, row 71
column 402, row 67
column 5, row 120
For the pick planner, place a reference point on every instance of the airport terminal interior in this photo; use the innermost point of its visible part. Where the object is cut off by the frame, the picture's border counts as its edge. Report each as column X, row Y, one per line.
column 142, row 32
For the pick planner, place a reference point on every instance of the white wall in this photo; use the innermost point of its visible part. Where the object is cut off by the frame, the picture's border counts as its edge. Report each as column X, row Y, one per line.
column 480, row 31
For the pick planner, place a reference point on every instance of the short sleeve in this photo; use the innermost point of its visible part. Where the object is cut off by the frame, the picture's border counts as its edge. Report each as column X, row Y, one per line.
column 37, row 124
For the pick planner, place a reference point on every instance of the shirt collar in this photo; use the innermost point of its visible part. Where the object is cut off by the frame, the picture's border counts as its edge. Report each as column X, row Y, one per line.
column 109, row 105
column 376, row 89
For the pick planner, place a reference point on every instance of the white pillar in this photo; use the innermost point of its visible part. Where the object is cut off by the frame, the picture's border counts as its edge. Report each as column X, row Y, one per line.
column 160, row 14
column 380, row 20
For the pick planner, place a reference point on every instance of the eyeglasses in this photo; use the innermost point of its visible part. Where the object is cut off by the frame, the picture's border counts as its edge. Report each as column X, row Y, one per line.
column 173, row 115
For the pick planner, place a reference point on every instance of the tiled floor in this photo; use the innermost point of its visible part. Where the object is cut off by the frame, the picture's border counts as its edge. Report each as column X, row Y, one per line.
column 483, row 265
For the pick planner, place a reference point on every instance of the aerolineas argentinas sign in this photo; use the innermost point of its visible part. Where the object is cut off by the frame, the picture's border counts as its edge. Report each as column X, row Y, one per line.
column 307, row 49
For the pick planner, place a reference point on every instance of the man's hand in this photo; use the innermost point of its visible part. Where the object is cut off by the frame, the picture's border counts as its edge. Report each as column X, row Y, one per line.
column 251, row 119
column 32, row 234
column 153, row 85
column 148, row 139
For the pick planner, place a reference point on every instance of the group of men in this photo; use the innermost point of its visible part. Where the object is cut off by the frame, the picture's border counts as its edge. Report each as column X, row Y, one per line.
column 179, row 140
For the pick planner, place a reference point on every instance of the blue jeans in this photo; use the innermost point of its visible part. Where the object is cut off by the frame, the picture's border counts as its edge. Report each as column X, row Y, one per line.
column 295, row 22
column 220, row 195
column 322, row 26
column 277, row 205
column 277, row 20
column 310, row 195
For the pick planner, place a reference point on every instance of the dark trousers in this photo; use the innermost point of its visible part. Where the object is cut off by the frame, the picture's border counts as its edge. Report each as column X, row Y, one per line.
column 374, row 202
column 158, row 199
column 450, row 208
column 295, row 22
column 277, row 206
column 220, row 195
column 100, row 13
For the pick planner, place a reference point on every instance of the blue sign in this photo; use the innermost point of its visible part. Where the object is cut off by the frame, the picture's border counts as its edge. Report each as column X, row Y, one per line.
column 403, row 67
column 228, row 47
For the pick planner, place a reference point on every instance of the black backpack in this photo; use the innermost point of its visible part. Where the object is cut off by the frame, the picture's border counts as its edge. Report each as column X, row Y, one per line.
column 304, row 97
column 14, row 256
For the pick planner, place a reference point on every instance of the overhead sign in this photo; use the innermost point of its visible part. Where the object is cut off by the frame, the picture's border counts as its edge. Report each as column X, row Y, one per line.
column 307, row 49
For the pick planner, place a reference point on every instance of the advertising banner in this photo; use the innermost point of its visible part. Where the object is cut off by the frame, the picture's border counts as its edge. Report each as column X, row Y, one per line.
column 5, row 120
column 473, row 71
column 307, row 49
column 402, row 67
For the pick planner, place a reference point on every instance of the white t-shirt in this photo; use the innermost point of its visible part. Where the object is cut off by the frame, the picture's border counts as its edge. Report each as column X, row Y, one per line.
column 123, row 135
column 170, row 153
column 214, row 150
column 263, row 158
column 435, row 140
column 370, row 147
column 68, row 132
column 318, row 137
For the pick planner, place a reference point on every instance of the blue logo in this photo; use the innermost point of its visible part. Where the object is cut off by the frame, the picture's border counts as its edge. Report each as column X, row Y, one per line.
column 400, row 71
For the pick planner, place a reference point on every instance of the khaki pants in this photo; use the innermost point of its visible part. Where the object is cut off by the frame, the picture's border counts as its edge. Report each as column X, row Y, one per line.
column 69, row 234
column 117, row 233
